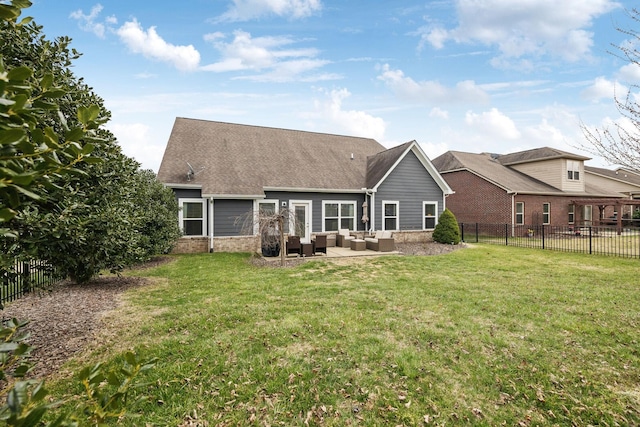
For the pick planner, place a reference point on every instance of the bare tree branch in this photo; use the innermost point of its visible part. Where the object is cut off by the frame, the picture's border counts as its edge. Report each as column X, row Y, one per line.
column 269, row 226
column 619, row 142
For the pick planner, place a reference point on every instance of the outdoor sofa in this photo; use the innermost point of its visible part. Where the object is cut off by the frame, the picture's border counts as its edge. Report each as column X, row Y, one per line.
column 381, row 242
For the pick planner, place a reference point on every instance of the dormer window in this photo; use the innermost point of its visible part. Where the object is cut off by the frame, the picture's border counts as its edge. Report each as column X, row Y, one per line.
column 573, row 170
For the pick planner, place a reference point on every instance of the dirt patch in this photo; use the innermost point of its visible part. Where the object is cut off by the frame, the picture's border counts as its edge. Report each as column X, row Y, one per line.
column 66, row 319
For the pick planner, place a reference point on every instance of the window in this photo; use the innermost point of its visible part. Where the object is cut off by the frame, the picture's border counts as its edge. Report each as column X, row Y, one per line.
column 588, row 211
column 267, row 208
column 520, row 213
column 339, row 215
column 572, row 214
column 390, row 219
column 573, row 170
column 192, row 216
column 430, row 210
column 546, row 213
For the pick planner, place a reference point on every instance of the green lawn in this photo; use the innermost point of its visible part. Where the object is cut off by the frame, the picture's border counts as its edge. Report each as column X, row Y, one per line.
column 488, row 335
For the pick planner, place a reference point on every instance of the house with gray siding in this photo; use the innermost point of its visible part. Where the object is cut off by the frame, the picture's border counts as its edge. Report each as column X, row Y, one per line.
column 220, row 172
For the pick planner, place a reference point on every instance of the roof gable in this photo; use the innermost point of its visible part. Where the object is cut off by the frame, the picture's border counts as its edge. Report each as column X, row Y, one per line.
column 382, row 164
column 241, row 160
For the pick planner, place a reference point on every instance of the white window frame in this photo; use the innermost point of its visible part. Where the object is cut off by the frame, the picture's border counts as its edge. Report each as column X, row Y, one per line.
column 572, row 213
column 521, row 221
column 181, row 217
column 339, row 217
column 589, row 209
column 573, row 170
column 384, row 214
column 546, row 214
column 424, row 214
column 256, row 209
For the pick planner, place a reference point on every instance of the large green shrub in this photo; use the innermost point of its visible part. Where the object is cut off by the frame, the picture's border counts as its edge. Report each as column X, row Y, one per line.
column 68, row 195
column 447, row 230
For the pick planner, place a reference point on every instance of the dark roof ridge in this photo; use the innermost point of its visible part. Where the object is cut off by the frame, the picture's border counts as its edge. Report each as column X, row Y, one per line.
column 275, row 128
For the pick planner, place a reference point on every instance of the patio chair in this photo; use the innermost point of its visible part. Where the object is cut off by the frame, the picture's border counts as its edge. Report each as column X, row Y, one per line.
column 320, row 244
column 343, row 239
column 293, row 245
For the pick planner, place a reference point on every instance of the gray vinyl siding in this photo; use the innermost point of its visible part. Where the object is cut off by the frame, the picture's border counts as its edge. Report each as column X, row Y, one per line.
column 316, row 204
column 411, row 185
column 225, row 213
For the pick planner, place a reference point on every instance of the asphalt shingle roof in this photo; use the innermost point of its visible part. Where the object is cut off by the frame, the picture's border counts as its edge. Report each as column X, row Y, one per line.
column 242, row 160
column 492, row 167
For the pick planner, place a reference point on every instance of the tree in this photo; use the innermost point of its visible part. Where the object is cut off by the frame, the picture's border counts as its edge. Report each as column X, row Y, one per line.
column 40, row 151
column 80, row 213
column 619, row 142
column 447, row 230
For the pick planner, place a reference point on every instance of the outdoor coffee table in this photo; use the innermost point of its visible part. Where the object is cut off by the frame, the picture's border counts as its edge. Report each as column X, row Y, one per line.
column 306, row 249
column 358, row 245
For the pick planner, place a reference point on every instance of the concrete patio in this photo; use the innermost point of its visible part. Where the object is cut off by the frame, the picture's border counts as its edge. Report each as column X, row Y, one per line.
column 337, row 252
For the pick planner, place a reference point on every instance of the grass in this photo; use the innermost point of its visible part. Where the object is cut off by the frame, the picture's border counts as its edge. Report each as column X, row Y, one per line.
column 486, row 336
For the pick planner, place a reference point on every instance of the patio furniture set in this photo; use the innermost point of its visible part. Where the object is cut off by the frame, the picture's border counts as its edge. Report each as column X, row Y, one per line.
column 381, row 241
column 294, row 246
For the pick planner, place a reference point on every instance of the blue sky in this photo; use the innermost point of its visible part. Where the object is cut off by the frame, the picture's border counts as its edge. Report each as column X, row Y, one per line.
column 468, row 75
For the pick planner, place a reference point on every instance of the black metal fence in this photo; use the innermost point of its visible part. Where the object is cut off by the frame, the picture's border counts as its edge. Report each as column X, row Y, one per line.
column 589, row 239
column 23, row 277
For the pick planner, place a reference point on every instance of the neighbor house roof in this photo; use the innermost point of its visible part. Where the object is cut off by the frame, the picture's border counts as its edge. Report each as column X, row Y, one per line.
column 242, row 160
column 488, row 167
column 492, row 168
column 536, row 155
column 623, row 175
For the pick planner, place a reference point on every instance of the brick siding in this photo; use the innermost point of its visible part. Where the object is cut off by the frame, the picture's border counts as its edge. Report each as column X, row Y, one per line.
column 476, row 200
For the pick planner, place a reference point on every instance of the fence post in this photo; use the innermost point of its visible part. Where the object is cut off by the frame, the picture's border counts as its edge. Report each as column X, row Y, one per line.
column 590, row 242
column 477, row 233
column 26, row 278
column 542, row 233
column 506, row 234
column 462, row 231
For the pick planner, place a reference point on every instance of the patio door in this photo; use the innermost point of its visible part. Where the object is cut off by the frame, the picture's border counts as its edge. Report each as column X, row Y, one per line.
column 300, row 224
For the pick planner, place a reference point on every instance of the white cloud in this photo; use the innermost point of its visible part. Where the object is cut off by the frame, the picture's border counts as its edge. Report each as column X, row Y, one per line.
column 88, row 22
column 137, row 142
column 493, row 124
column 602, row 88
column 439, row 113
column 528, row 28
column 271, row 56
column 245, row 10
column 151, row 45
column 630, row 73
column 353, row 122
column 431, row 91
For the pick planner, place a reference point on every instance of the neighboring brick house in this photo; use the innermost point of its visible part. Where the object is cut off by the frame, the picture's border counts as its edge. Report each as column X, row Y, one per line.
column 543, row 186
column 222, row 171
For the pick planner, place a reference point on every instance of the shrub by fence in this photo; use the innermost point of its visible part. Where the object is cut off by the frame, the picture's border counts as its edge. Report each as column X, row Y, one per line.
column 24, row 277
column 589, row 240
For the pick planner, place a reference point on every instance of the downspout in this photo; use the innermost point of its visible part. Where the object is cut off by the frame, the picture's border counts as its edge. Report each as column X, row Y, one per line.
column 513, row 212
column 372, row 209
column 211, row 224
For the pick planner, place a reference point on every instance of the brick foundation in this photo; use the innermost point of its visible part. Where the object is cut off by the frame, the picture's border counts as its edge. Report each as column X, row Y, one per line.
column 194, row 245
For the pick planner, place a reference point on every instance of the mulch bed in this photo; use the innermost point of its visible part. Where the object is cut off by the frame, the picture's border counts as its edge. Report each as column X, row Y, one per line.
column 67, row 319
